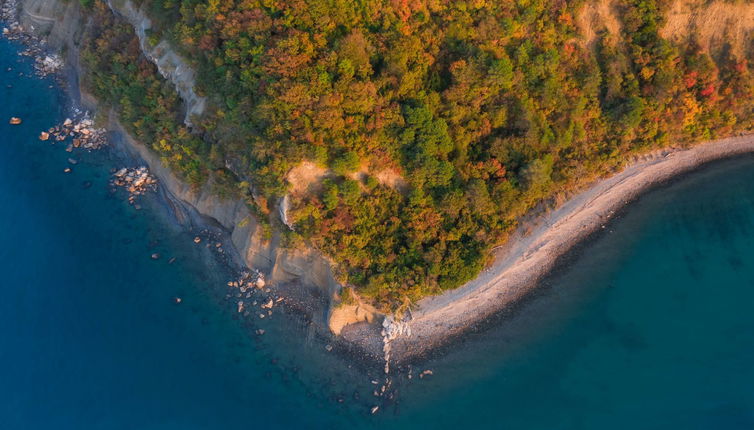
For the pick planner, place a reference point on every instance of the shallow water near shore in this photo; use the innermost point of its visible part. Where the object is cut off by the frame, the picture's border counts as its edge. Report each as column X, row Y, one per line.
column 90, row 334
column 648, row 326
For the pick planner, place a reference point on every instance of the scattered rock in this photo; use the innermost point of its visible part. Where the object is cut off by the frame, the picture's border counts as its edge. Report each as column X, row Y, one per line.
column 197, row 239
column 48, row 65
column 83, row 134
column 67, row 170
column 375, row 409
column 15, row 121
column 178, row 300
column 137, row 181
column 155, row 256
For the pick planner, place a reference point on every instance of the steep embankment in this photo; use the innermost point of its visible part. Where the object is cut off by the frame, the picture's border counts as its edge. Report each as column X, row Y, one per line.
column 171, row 66
column 303, row 273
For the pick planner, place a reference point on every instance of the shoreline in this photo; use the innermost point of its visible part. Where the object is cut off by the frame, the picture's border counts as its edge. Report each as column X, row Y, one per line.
column 529, row 255
column 171, row 199
column 520, row 268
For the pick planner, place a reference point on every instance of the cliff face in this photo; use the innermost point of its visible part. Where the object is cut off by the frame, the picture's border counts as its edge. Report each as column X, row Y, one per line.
column 303, row 272
column 168, row 62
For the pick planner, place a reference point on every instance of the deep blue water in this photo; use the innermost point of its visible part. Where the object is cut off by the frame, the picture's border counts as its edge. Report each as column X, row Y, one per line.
column 649, row 326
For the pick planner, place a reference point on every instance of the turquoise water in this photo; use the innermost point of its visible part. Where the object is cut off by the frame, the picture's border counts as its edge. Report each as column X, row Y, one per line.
column 648, row 326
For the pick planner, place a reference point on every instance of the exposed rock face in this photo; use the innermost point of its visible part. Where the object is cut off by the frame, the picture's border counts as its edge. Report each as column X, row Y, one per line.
column 307, row 267
column 168, row 62
column 61, row 23
column 344, row 315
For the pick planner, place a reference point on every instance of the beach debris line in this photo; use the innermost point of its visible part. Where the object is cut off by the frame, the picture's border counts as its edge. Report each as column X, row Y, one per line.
column 137, row 181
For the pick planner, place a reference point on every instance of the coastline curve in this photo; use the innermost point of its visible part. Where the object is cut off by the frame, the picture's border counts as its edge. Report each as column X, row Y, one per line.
column 519, row 267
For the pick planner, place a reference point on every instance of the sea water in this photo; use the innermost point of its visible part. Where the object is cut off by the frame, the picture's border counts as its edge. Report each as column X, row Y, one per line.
column 91, row 335
column 650, row 325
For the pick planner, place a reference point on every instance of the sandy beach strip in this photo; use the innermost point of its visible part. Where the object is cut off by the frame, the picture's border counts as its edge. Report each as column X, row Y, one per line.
column 530, row 256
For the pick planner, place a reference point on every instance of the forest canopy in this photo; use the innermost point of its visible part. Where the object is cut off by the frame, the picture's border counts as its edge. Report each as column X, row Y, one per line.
column 483, row 109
